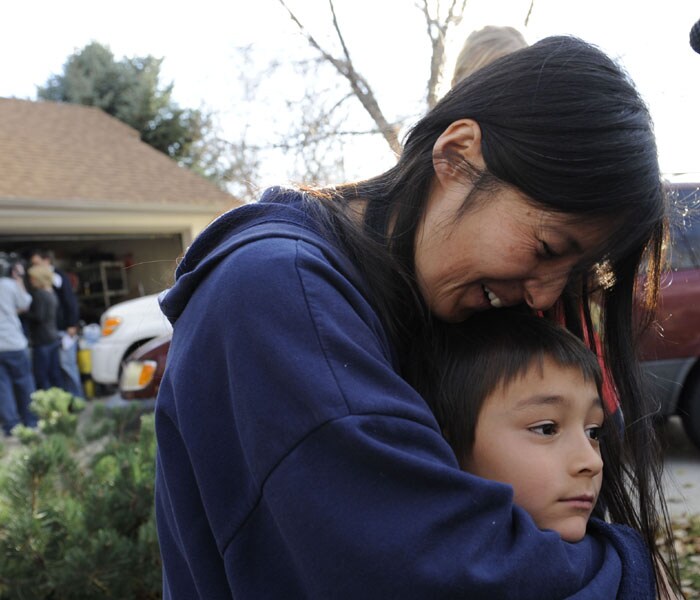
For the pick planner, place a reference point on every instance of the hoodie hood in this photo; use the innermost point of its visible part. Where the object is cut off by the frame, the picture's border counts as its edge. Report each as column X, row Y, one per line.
column 278, row 212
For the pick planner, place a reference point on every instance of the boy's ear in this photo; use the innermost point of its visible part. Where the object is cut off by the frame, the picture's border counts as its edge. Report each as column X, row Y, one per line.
column 461, row 141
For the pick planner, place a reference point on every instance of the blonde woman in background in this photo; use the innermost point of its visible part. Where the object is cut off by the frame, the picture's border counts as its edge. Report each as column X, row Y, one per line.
column 43, row 333
column 485, row 45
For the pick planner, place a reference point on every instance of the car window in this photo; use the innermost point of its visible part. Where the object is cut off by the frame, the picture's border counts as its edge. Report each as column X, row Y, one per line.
column 685, row 228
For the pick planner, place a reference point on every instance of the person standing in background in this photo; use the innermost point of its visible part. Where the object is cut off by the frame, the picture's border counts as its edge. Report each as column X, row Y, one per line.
column 16, row 380
column 43, row 333
column 485, row 45
column 67, row 321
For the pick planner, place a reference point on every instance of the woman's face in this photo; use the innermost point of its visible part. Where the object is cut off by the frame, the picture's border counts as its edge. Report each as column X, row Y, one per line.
column 503, row 251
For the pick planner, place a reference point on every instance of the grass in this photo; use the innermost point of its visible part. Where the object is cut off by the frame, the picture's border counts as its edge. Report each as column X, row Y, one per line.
column 686, row 534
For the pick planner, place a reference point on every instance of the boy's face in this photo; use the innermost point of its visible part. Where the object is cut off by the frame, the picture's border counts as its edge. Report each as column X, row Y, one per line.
column 539, row 434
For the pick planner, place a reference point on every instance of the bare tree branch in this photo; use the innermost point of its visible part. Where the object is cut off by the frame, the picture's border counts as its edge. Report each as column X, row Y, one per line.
column 358, row 84
column 336, row 26
column 437, row 32
column 529, row 12
column 322, row 136
column 316, row 132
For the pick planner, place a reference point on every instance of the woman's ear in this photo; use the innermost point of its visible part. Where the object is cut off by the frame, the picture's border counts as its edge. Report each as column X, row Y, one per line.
column 461, row 141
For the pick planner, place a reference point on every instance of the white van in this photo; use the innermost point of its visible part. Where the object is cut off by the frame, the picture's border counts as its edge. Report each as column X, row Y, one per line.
column 125, row 327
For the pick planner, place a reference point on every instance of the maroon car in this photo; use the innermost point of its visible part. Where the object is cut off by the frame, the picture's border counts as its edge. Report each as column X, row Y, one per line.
column 143, row 369
column 671, row 348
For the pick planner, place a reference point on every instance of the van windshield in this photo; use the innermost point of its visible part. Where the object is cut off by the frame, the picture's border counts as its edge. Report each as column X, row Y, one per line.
column 685, row 227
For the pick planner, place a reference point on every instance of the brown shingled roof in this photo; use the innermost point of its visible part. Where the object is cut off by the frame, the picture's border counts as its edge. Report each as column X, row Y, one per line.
column 54, row 152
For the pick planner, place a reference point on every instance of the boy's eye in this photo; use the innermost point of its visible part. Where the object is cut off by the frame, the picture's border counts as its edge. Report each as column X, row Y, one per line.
column 544, row 429
column 594, row 433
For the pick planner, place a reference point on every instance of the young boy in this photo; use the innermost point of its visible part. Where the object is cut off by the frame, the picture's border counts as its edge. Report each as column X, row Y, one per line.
column 519, row 400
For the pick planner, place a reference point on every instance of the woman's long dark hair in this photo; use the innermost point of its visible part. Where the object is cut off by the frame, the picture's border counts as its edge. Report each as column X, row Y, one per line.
column 562, row 123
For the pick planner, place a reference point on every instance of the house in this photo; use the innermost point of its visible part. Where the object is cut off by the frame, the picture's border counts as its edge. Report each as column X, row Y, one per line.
column 116, row 212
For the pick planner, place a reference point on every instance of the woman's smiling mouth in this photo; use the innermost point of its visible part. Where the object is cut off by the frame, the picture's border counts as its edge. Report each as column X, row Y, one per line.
column 494, row 300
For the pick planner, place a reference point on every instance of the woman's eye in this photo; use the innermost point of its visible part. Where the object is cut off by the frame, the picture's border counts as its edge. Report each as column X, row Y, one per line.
column 547, row 251
column 544, row 429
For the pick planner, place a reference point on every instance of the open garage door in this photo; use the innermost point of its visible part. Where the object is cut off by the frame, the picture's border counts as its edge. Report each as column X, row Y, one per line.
column 108, row 268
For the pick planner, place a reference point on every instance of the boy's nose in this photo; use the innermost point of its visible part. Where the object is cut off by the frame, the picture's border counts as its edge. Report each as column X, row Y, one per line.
column 586, row 458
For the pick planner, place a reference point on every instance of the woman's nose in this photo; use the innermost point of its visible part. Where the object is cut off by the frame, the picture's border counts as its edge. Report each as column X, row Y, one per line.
column 541, row 295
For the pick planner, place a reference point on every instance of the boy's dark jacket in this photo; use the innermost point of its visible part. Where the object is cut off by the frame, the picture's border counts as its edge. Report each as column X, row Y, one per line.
column 293, row 462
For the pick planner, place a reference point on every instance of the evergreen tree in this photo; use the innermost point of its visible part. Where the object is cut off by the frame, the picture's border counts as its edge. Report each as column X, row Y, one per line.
column 76, row 511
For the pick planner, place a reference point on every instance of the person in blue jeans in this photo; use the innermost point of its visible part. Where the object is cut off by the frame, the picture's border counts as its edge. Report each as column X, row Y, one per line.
column 16, row 379
column 67, row 322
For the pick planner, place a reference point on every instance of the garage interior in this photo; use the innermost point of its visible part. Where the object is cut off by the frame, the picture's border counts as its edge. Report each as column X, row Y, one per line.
column 115, row 212
column 108, row 268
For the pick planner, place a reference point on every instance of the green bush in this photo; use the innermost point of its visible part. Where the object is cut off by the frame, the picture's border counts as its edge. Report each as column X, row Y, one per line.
column 76, row 511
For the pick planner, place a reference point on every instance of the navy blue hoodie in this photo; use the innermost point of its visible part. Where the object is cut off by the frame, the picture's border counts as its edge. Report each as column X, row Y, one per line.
column 293, row 461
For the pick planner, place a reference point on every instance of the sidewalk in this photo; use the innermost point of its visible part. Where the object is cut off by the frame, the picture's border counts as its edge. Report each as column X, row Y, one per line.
column 682, row 471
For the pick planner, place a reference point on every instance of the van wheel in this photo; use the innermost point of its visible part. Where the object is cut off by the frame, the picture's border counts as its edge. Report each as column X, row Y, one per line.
column 689, row 411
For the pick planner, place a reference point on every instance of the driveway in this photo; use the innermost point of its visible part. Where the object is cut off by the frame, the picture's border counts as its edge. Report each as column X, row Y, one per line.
column 682, row 472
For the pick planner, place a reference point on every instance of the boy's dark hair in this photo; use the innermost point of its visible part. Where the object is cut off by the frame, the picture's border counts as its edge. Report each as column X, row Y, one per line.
column 489, row 350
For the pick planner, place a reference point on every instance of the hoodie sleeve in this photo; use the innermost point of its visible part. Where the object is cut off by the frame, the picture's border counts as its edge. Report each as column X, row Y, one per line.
column 638, row 581
column 292, row 455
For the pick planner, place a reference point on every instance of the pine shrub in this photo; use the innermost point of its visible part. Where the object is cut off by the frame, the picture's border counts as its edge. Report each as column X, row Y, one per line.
column 76, row 508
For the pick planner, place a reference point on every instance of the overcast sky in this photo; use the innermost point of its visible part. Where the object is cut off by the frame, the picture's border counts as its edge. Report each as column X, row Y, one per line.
column 198, row 42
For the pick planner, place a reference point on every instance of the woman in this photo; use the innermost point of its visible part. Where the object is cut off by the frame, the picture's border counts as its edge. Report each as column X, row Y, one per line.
column 43, row 333
column 295, row 458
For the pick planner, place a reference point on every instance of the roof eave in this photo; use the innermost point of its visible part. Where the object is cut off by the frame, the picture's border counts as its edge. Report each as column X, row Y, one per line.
column 103, row 205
